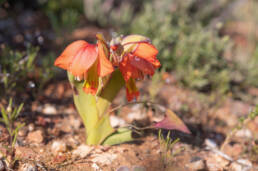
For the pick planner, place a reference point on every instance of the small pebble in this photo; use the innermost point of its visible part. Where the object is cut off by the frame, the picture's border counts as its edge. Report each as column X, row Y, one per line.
column 96, row 167
column 116, row 121
column 49, row 109
column 196, row 163
column 241, row 165
column 233, row 150
column 82, row 151
column 25, row 152
column 22, row 132
column 138, row 116
column 76, row 123
column 104, row 158
column 28, row 167
column 244, row 133
column 72, row 141
column 58, row 146
column 35, row 137
column 123, row 168
column 216, row 162
column 210, row 143
column 138, row 168
column 31, row 127
column 1, row 165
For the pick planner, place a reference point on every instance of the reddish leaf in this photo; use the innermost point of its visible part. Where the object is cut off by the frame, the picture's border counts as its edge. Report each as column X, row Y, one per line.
column 172, row 121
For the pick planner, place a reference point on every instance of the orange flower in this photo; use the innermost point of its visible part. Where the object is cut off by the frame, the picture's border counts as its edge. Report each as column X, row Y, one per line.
column 139, row 59
column 86, row 61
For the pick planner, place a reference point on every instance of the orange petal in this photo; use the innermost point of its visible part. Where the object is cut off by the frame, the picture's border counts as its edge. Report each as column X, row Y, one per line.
column 104, row 65
column 156, row 63
column 65, row 59
column 146, row 51
column 143, row 65
column 131, row 90
column 130, row 42
column 83, row 60
column 91, row 82
column 128, row 70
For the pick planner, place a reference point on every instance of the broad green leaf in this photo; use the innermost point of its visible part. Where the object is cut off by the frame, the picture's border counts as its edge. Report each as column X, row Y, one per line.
column 92, row 109
column 100, row 131
column 120, row 136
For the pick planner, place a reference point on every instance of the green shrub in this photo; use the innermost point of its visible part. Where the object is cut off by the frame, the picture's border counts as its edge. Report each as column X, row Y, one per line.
column 187, row 35
column 114, row 13
column 15, row 68
column 186, row 46
column 20, row 70
column 63, row 14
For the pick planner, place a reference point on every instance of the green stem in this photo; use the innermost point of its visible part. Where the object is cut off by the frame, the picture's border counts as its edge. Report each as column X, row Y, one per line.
column 93, row 109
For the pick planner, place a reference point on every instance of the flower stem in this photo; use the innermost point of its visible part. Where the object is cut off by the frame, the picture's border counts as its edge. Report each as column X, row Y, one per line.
column 93, row 110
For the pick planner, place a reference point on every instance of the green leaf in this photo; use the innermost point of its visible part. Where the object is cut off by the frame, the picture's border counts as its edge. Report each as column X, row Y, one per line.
column 10, row 103
column 120, row 136
column 101, row 130
column 18, row 111
column 86, row 106
column 15, row 133
column 13, row 114
column 5, row 116
column 92, row 109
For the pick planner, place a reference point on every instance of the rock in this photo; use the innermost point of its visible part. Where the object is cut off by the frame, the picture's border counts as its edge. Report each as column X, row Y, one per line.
column 157, row 118
column 233, row 150
column 82, row 151
column 76, row 123
column 35, row 137
column 116, row 121
column 241, row 165
column 244, row 133
column 253, row 126
column 22, row 132
column 31, row 127
column 58, row 146
column 69, row 124
column 216, row 162
column 210, row 143
column 1, row 154
column 104, row 158
column 138, row 116
column 25, row 153
column 196, row 163
column 28, row 167
column 49, row 109
column 72, row 142
column 96, row 167
column 2, row 167
column 138, row 168
column 123, row 168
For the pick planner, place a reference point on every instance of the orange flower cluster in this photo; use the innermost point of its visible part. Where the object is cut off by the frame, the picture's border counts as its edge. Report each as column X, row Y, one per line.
column 134, row 55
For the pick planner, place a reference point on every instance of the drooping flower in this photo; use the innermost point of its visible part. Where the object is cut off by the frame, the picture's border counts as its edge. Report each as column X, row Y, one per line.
column 86, row 62
column 138, row 59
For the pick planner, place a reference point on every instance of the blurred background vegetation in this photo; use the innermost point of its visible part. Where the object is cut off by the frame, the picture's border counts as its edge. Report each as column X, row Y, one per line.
column 210, row 46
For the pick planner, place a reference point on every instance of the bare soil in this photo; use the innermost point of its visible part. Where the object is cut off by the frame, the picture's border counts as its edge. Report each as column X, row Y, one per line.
column 53, row 118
